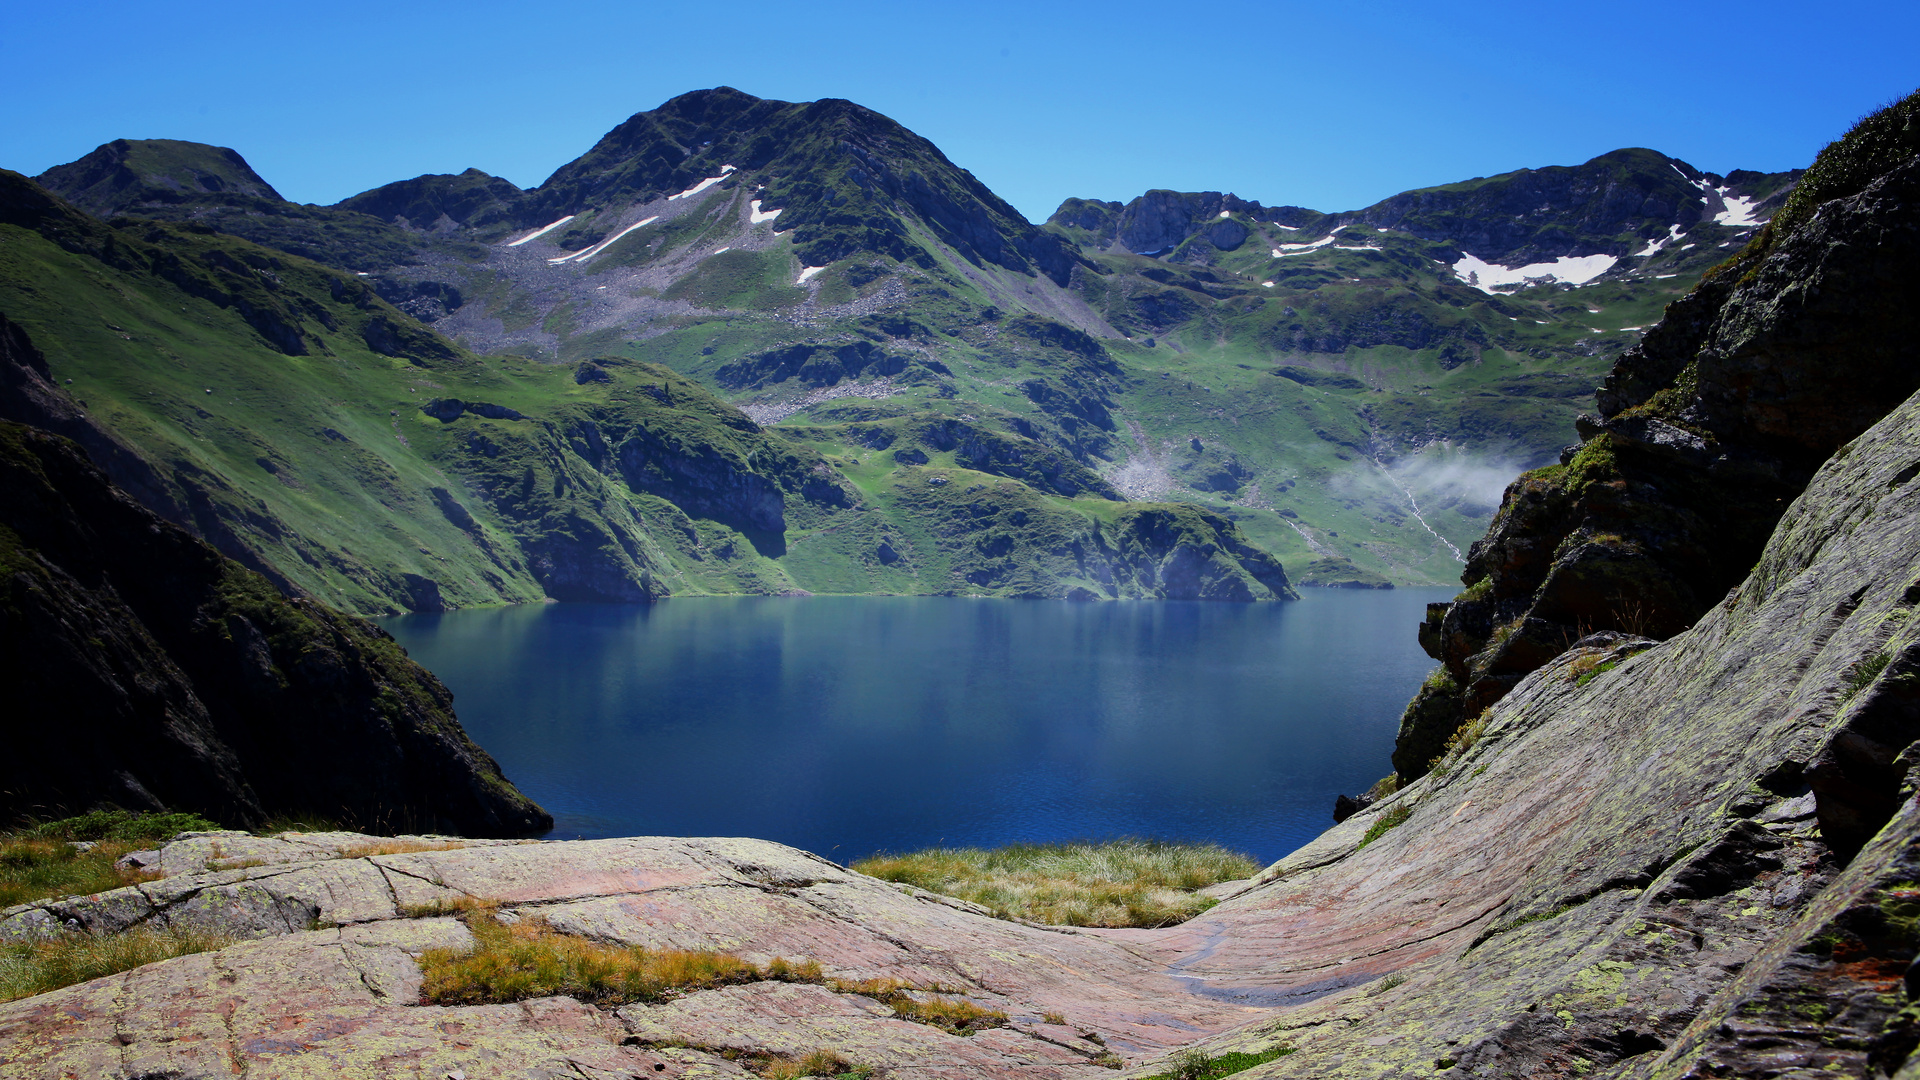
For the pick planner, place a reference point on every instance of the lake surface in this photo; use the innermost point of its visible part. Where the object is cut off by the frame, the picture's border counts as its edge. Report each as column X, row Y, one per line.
column 849, row 725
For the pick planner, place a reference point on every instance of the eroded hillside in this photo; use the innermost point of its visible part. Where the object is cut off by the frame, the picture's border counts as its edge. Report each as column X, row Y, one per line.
column 1350, row 389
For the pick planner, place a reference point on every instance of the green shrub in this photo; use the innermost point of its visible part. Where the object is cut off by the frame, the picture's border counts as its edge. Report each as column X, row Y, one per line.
column 119, row 825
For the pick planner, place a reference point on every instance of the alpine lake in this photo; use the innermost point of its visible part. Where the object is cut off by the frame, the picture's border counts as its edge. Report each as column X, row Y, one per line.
column 852, row 725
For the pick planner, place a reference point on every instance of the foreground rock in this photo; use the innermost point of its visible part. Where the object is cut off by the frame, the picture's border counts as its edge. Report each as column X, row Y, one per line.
column 331, row 985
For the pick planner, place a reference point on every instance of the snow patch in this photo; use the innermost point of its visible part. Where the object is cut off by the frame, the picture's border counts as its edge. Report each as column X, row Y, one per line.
column 759, row 217
column 807, row 272
column 719, row 250
column 1567, row 270
column 1284, row 250
column 1225, row 213
column 1266, row 284
column 542, row 231
column 704, row 184
column 584, row 254
column 1653, row 246
column 1739, row 211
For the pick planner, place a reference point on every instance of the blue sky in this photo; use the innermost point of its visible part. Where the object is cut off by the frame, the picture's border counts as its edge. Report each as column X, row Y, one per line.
column 1330, row 105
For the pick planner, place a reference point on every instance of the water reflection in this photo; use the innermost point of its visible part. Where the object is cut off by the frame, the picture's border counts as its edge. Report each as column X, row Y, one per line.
column 847, row 725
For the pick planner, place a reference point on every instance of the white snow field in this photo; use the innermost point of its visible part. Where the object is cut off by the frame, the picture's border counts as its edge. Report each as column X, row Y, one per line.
column 704, row 184
column 1567, row 270
column 584, row 254
column 542, row 231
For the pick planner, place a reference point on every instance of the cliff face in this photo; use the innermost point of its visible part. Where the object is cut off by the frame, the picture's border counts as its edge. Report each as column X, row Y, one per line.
column 144, row 669
column 1707, row 430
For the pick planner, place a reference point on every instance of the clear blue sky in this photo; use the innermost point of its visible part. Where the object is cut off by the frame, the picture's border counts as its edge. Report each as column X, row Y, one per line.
column 1330, row 105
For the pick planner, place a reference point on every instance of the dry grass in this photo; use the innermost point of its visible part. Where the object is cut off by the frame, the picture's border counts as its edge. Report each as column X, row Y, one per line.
column 457, row 905
column 38, row 862
column 398, row 847
column 1111, row 883
column 35, row 967
column 1462, row 740
column 530, row 959
column 957, row 1016
column 39, row 869
column 818, row 1063
column 952, row 1014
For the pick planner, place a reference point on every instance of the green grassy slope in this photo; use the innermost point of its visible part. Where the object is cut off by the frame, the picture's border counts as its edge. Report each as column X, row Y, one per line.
column 1329, row 382
column 369, row 461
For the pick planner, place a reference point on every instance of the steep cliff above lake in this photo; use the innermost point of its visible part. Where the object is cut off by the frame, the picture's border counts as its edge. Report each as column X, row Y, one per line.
column 1707, row 430
column 143, row 669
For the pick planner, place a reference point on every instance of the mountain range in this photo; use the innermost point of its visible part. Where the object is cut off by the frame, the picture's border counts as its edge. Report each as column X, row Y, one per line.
column 448, row 390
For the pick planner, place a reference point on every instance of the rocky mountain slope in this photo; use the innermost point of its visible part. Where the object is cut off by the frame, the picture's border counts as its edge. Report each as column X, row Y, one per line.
column 144, row 670
column 1349, row 389
column 1706, row 431
column 291, row 416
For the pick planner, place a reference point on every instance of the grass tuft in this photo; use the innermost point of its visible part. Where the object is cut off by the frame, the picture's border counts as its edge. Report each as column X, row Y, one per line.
column 42, row 869
column 398, row 847
column 1388, row 820
column 1081, row 883
column 1194, row 1064
column 530, row 959
column 818, row 1063
column 35, row 967
column 957, row 1016
column 1862, row 674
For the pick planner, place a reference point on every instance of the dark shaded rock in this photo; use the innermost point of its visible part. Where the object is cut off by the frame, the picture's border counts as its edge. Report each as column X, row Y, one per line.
column 1345, row 806
column 447, row 410
column 1745, row 852
column 146, row 671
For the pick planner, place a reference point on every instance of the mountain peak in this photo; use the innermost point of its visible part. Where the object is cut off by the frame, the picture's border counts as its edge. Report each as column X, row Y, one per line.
column 128, row 172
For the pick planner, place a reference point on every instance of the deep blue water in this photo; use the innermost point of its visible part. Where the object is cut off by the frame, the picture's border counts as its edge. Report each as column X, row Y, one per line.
column 849, row 725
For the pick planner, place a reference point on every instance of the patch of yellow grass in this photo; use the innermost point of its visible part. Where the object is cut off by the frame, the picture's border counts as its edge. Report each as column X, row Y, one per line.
column 956, row 1015
column 398, row 847
column 818, row 1063
column 1110, row 883
column 455, row 905
column 35, row 869
column 35, row 967
column 530, row 959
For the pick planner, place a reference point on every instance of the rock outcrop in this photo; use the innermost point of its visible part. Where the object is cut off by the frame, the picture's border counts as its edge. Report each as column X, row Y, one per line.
column 144, row 669
column 1707, row 430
